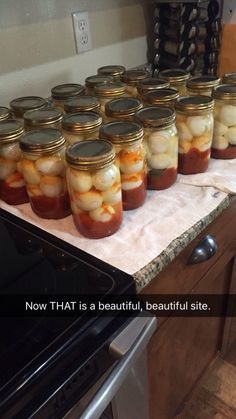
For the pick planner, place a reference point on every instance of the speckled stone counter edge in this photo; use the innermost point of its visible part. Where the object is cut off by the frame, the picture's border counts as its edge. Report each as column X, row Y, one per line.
column 145, row 275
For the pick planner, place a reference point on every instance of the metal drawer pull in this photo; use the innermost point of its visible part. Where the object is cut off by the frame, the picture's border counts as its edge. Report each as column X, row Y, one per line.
column 204, row 250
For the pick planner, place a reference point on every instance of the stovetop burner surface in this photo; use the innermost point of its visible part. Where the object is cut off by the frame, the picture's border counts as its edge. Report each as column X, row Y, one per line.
column 35, row 263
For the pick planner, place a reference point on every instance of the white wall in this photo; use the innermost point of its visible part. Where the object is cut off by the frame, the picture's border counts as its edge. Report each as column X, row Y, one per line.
column 37, row 45
column 229, row 11
column 39, row 79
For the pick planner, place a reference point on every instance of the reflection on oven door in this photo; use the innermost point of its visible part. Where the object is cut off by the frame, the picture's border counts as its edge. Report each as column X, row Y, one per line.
column 122, row 393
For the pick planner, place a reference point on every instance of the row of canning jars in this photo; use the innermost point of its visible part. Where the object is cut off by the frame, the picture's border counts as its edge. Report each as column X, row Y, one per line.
column 84, row 178
column 78, row 126
column 70, row 97
column 110, row 98
column 151, row 91
column 33, row 164
column 188, row 142
column 104, row 87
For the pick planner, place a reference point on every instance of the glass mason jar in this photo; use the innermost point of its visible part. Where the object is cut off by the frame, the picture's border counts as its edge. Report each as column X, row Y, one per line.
column 177, row 78
column 82, row 104
column 22, row 104
column 161, row 97
column 194, row 121
column 150, row 84
column 107, row 92
column 122, row 109
column 229, row 78
column 202, row 85
column 131, row 78
column 94, row 186
column 5, row 113
column 43, row 118
column 43, row 168
column 81, row 126
column 12, row 184
column 115, row 71
column 161, row 143
column 61, row 93
column 92, row 81
column 127, row 138
column 224, row 135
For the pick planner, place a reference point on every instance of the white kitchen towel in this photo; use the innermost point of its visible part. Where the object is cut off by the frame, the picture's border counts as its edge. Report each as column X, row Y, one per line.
column 221, row 174
column 144, row 233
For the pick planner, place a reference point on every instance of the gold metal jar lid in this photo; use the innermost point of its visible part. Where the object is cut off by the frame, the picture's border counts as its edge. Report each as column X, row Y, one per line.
column 10, row 131
column 82, row 104
column 132, row 77
column 160, row 96
column 81, row 121
column 224, row 92
column 93, row 81
column 123, row 107
column 111, row 70
column 229, row 78
column 43, row 117
column 120, row 132
column 152, row 83
column 111, row 89
column 90, row 155
column 22, row 104
column 204, row 81
column 155, row 117
column 46, row 141
column 65, row 91
column 5, row 113
column 194, row 104
column 175, row 75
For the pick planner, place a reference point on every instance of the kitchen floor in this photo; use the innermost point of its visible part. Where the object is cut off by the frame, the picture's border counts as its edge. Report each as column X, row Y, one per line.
column 216, row 396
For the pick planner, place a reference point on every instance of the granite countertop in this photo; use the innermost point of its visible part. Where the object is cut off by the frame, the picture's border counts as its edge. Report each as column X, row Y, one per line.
column 145, row 275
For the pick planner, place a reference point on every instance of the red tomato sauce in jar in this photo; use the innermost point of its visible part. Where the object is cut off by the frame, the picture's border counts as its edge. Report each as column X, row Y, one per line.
column 54, row 208
column 13, row 196
column 194, row 161
column 127, row 138
column 161, row 179
column 134, row 198
column 227, row 153
column 97, row 229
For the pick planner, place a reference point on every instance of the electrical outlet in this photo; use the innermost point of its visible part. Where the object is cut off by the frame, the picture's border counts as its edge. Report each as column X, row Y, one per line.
column 81, row 31
column 82, row 23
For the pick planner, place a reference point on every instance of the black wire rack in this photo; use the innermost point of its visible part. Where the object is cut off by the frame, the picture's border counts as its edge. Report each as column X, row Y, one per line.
column 184, row 35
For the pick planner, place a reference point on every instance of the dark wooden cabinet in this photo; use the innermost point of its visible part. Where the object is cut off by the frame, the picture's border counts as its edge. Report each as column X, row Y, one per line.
column 183, row 347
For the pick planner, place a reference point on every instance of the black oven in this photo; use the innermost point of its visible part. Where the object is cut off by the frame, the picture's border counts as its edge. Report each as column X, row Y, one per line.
column 51, row 362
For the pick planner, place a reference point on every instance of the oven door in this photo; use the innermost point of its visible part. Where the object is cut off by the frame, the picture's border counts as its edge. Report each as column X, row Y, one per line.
column 122, row 392
column 48, row 363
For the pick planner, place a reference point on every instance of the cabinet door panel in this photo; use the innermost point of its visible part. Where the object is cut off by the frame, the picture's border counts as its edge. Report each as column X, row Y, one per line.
column 229, row 336
column 181, row 350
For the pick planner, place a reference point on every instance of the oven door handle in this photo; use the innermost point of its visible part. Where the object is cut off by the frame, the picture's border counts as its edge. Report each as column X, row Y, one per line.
column 128, row 345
